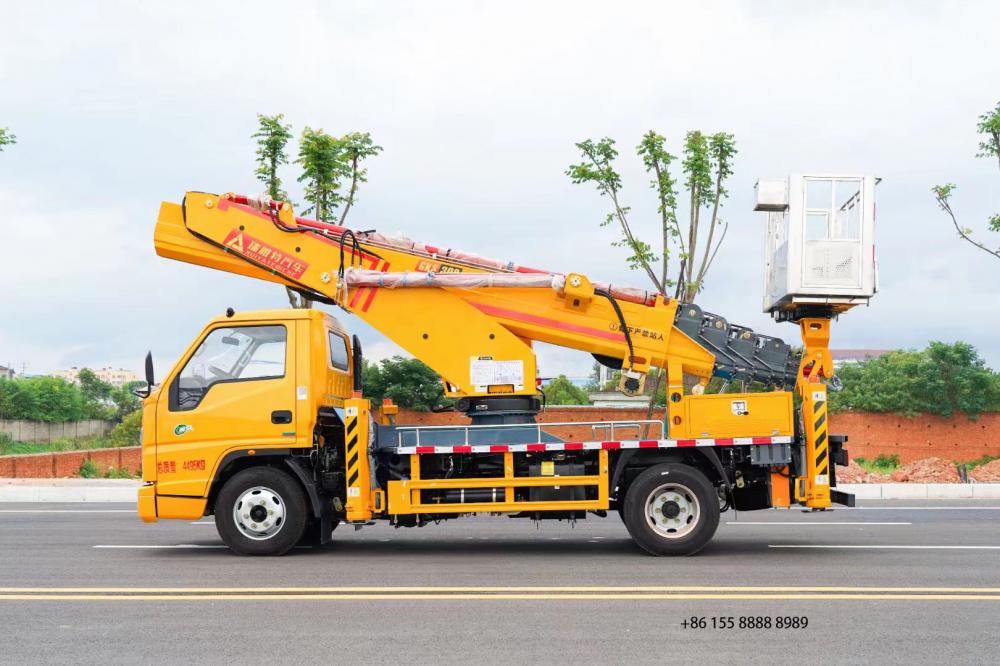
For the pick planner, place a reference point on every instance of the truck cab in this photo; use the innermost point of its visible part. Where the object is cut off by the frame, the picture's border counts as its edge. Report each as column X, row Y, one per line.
column 250, row 390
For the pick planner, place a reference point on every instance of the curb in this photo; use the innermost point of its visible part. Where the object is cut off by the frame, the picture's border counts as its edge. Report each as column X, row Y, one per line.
column 887, row 491
column 68, row 490
column 102, row 490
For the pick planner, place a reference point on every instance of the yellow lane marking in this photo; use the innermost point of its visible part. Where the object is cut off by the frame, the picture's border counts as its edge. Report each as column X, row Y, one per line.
column 493, row 597
column 644, row 589
column 882, row 547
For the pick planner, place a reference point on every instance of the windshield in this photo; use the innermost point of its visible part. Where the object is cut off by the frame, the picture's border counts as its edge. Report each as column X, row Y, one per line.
column 232, row 353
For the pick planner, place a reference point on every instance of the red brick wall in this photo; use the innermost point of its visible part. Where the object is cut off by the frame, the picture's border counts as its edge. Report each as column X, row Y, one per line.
column 956, row 438
column 67, row 463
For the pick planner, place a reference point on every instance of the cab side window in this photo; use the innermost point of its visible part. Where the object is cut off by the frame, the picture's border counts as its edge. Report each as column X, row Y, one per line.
column 338, row 352
column 230, row 354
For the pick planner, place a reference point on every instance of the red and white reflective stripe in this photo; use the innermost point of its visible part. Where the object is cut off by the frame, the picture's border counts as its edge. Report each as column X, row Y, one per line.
column 592, row 446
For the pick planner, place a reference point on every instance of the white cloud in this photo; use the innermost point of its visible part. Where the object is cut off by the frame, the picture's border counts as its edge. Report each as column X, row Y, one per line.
column 478, row 106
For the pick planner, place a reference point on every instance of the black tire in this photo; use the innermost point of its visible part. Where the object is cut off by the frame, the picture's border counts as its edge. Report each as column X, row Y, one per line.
column 271, row 490
column 681, row 529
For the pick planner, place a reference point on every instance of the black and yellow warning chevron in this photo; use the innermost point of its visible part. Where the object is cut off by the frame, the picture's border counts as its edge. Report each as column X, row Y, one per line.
column 352, row 450
column 820, row 428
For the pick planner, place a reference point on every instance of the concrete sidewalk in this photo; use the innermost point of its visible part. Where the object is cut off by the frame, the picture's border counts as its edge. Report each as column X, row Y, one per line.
column 68, row 490
column 124, row 490
column 923, row 490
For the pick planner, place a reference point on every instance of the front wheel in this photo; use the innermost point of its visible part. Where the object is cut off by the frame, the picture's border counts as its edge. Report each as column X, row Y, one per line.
column 261, row 511
column 671, row 509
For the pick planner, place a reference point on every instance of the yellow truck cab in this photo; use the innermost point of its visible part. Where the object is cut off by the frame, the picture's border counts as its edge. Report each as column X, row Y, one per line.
column 248, row 393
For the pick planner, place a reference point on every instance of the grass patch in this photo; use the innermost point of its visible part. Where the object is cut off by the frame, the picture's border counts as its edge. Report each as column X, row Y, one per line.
column 122, row 473
column 88, row 469
column 882, row 464
column 9, row 447
column 978, row 462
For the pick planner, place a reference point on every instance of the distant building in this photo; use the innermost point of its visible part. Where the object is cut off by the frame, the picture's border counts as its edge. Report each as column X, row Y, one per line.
column 6, row 373
column 605, row 374
column 842, row 357
column 117, row 377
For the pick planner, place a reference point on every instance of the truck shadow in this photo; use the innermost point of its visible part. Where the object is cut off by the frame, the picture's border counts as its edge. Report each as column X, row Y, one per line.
column 393, row 549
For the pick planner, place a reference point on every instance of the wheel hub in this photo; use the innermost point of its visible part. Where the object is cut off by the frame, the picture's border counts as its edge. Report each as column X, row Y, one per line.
column 259, row 513
column 672, row 510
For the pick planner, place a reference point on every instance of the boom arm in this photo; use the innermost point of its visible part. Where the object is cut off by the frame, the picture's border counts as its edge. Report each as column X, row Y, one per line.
column 452, row 329
column 473, row 320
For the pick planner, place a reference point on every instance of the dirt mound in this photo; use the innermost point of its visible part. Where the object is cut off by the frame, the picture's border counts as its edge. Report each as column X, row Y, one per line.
column 928, row 470
column 855, row 473
column 988, row 473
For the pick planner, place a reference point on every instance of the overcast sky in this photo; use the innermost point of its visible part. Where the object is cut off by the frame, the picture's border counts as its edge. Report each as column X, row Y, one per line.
column 118, row 106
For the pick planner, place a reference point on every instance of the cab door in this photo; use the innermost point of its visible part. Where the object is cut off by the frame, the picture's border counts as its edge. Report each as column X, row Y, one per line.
column 234, row 391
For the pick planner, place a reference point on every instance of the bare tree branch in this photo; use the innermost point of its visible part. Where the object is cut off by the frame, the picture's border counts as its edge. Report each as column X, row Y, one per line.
column 700, row 275
column 942, row 200
column 354, row 188
column 725, row 228
column 612, row 193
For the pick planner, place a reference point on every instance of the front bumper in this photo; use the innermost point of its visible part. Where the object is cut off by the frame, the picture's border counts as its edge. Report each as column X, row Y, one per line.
column 147, row 503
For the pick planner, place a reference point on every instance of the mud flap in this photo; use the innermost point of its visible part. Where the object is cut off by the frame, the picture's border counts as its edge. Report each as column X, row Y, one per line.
column 838, row 456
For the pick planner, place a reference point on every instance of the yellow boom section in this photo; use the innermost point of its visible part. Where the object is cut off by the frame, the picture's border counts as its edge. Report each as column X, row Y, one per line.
column 453, row 330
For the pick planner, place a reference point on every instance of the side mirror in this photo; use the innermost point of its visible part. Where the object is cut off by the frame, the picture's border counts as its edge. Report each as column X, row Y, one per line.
column 144, row 392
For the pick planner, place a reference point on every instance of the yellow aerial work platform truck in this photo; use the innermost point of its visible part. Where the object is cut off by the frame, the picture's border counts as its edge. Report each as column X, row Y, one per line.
column 263, row 423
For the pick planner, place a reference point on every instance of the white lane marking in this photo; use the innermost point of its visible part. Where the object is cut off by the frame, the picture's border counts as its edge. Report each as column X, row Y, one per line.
column 804, row 522
column 151, row 547
column 67, row 510
column 858, row 546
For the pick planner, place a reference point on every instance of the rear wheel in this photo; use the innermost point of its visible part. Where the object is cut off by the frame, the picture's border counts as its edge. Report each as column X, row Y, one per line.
column 261, row 511
column 671, row 509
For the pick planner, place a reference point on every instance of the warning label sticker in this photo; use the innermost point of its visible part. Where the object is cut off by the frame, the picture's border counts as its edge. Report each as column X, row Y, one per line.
column 484, row 371
column 260, row 252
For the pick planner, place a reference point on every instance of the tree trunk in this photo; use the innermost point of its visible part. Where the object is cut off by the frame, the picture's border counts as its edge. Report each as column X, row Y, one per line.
column 652, row 406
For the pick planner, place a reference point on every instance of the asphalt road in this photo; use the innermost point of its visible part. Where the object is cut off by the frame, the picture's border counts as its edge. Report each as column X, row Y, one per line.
column 892, row 582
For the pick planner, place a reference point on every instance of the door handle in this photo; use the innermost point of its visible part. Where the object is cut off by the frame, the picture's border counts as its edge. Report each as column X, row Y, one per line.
column 281, row 416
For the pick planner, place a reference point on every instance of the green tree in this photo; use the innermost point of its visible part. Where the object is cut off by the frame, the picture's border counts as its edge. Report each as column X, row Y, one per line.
column 407, row 381
column 54, row 400
column 97, row 395
column 49, row 399
column 272, row 138
column 355, row 147
column 92, row 387
column 7, row 138
column 561, row 391
column 323, row 168
column 125, row 402
column 706, row 165
column 942, row 379
column 989, row 129
column 126, row 433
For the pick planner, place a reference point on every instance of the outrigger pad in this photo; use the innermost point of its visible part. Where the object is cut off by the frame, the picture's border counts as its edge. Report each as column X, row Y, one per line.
column 740, row 354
